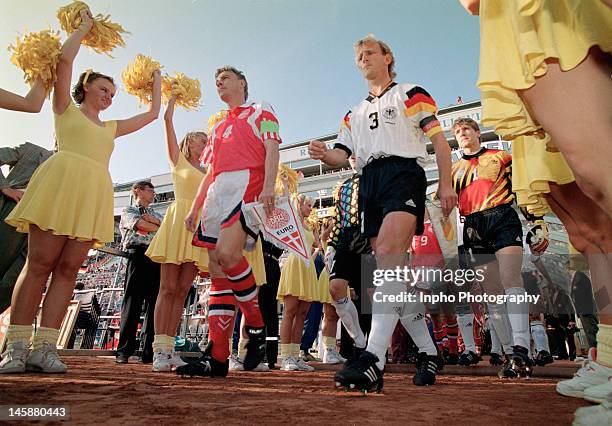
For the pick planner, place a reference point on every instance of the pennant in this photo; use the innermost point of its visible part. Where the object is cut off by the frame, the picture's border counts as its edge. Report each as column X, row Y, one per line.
column 445, row 229
column 282, row 228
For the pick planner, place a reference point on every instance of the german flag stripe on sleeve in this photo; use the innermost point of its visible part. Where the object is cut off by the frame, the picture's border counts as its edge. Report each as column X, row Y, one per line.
column 419, row 100
column 430, row 126
column 347, row 120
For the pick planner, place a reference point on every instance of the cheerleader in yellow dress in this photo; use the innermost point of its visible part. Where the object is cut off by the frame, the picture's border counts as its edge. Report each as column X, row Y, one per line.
column 297, row 288
column 171, row 246
column 545, row 67
column 67, row 207
column 544, row 80
column 545, row 84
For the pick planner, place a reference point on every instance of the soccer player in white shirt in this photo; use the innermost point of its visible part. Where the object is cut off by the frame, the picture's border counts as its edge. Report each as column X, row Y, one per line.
column 387, row 133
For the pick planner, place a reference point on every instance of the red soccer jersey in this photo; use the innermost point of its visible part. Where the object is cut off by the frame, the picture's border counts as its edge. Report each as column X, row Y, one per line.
column 483, row 180
column 425, row 249
column 237, row 141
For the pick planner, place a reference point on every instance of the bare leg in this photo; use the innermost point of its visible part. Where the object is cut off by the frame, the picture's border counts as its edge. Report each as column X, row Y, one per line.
column 165, row 298
column 575, row 108
column 187, row 274
column 298, row 323
column 289, row 313
column 43, row 254
column 63, row 282
column 330, row 320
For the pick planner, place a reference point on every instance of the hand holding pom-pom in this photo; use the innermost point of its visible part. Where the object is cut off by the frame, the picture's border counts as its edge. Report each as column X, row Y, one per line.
column 37, row 54
column 138, row 77
column 186, row 90
column 101, row 34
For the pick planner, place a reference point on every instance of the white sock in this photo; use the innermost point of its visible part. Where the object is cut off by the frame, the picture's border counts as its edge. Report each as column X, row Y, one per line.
column 384, row 318
column 347, row 312
column 495, row 343
column 416, row 326
column 466, row 327
column 539, row 336
column 519, row 318
column 498, row 315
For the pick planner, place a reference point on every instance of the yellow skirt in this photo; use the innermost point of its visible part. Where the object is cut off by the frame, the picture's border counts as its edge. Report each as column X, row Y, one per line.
column 516, row 38
column 298, row 280
column 172, row 242
column 323, row 287
column 533, row 168
column 71, row 195
column 256, row 260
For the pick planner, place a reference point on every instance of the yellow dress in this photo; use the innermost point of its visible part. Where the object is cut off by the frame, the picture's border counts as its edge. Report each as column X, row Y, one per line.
column 256, row 260
column 172, row 242
column 516, row 38
column 296, row 278
column 72, row 192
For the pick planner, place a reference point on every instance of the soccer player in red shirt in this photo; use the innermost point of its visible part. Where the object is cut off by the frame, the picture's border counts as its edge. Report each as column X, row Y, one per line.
column 242, row 158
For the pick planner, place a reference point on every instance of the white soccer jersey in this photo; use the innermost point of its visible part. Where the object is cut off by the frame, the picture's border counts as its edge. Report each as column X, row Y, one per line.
column 394, row 123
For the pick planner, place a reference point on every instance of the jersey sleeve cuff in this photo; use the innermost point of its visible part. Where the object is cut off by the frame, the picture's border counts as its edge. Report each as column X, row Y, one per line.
column 343, row 148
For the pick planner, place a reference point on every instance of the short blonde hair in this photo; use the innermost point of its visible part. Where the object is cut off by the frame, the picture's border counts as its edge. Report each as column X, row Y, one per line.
column 184, row 145
column 384, row 47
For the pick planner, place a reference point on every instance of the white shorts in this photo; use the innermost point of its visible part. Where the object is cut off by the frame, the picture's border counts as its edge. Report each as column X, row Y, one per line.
column 224, row 205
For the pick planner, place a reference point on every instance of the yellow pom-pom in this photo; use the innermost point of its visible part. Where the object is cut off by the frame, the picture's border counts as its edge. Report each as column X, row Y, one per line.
column 138, row 77
column 336, row 191
column 313, row 220
column 37, row 54
column 187, row 90
column 214, row 119
column 104, row 35
column 286, row 178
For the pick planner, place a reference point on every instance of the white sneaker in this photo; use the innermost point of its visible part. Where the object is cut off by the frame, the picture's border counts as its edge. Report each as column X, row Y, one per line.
column 45, row 360
column 594, row 416
column 591, row 374
column 289, row 364
column 13, row 359
column 161, row 361
column 303, row 366
column 176, row 361
column 599, row 393
column 331, row 356
column 262, row 366
column 235, row 363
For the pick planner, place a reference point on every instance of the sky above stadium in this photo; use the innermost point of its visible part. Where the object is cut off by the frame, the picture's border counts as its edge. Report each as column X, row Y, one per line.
column 296, row 54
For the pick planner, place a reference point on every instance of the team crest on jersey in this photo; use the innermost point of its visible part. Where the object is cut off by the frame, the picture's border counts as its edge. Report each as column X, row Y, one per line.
column 390, row 113
column 227, row 132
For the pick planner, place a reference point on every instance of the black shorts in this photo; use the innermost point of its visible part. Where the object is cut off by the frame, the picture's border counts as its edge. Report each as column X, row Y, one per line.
column 353, row 257
column 489, row 231
column 391, row 184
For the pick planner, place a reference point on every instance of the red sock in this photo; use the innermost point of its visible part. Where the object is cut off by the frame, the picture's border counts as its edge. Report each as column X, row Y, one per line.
column 221, row 311
column 245, row 290
column 438, row 331
column 452, row 329
column 478, row 333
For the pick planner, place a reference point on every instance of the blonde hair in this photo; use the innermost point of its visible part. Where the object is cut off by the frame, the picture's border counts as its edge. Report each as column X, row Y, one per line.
column 384, row 47
column 184, row 145
column 303, row 198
